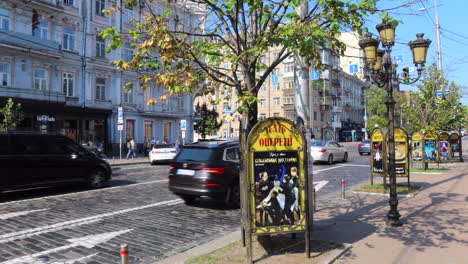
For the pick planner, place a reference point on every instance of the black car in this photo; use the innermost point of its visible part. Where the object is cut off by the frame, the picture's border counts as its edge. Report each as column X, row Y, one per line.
column 35, row 159
column 209, row 168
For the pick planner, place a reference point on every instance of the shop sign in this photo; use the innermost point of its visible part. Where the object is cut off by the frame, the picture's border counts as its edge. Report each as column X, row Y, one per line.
column 417, row 147
column 277, row 173
column 377, row 152
column 120, row 116
column 431, row 153
column 45, row 118
column 401, row 152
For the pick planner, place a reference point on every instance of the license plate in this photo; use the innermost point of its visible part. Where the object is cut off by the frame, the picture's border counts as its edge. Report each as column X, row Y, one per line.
column 185, row 172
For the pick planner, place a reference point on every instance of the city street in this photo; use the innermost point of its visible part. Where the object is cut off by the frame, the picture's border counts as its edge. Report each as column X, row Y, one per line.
column 76, row 225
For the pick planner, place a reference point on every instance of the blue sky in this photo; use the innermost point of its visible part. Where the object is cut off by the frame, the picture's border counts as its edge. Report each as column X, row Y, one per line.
column 454, row 35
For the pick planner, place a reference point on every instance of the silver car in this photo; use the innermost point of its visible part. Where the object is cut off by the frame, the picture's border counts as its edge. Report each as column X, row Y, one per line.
column 328, row 151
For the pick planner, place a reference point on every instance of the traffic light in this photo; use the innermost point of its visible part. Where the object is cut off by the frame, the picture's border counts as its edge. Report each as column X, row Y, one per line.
column 405, row 75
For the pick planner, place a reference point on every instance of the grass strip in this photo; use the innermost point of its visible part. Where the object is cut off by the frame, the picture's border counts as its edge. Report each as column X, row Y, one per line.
column 379, row 188
column 428, row 170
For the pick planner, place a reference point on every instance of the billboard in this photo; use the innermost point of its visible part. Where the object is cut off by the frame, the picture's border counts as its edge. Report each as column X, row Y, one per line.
column 417, row 147
column 377, row 153
column 431, row 153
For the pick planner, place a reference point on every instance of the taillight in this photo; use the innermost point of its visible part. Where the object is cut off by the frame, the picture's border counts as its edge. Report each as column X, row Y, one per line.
column 171, row 166
column 323, row 150
column 360, row 145
column 156, row 152
column 211, row 184
column 214, row 170
column 173, row 151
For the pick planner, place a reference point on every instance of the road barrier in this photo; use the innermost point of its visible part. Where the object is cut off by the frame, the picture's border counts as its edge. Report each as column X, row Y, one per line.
column 343, row 183
column 124, row 254
column 314, row 193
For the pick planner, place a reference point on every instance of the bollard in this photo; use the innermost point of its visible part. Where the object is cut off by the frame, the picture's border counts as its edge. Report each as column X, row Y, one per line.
column 124, row 254
column 343, row 189
column 314, row 197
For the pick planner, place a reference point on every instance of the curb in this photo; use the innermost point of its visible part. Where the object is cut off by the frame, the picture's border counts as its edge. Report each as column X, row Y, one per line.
column 388, row 195
column 205, row 248
column 343, row 249
column 130, row 163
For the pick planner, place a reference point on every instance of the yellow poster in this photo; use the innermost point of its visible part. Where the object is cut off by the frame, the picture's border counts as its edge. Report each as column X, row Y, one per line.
column 278, row 177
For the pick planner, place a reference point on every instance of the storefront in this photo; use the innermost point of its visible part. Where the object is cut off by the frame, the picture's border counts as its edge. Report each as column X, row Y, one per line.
column 86, row 126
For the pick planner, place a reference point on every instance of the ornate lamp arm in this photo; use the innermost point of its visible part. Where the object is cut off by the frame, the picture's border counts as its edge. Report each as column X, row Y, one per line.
column 409, row 80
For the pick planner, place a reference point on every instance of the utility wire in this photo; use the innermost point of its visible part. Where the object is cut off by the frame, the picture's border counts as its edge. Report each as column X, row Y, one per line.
column 462, row 36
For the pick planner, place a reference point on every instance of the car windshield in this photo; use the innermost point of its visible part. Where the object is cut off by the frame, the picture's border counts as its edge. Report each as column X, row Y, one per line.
column 198, row 154
column 366, row 141
column 163, row 146
column 319, row 143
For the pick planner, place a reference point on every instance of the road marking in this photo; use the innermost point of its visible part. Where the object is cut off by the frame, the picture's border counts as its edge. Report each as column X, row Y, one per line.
column 15, row 214
column 82, row 192
column 319, row 185
column 86, row 241
column 357, row 165
column 86, row 220
column 331, row 168
column 72, row 261
column 340, row 166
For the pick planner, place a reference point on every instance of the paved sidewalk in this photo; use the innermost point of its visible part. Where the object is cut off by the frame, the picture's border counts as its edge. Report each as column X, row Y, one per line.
column 115, row 161
column 435, row 221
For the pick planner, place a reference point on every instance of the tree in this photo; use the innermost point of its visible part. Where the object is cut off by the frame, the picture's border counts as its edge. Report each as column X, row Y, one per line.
column 11, row 114
column 436, row 105
column 208, row 125
column 376, row 108
column 235, row 33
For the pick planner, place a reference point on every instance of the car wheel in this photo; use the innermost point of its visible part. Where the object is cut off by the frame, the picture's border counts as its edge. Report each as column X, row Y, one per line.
column 345, row 157
column 188, row 199
column 153, row 162
column 330, row 160
column 360, row 153
column 96, row 179
column 233, row 196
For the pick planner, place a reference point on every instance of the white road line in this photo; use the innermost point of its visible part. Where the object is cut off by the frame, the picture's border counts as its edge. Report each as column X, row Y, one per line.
column 15, row 214
column 62, row 225
column 357, row 165
column 340, row 166
column 319, row 185
column 82, row 192
column 86, row 241
column 331, row 168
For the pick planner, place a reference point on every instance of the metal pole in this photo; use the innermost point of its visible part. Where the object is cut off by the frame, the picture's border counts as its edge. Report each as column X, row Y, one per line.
column 314, row 196
column 393, row 216
column 120, row 144
column 461, row 147
column 365, row 114
column 439, row 44
column 343, row 196
column 124, row 254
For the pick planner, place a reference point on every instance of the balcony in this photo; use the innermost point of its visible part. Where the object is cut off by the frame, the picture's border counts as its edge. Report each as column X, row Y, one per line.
column 28, row 43
column 336, row 82
column 324, row 105
column 337, row 109
column 34, row 94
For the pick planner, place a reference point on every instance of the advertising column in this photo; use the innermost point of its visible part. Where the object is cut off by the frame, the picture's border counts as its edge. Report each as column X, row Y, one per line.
column 431, row 153
column 417, row 147
column 377, row 154
column 401, row 153
column 444, row 146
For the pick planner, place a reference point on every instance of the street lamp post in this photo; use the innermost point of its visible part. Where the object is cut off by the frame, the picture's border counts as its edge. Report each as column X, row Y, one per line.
column 383, row 73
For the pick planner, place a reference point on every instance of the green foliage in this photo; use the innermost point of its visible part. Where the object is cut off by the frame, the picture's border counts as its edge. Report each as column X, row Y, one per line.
column 427, row 111
column 376, row 108
column 209, row 124
column 388, row 19
column 11, row 115
column 189, row 59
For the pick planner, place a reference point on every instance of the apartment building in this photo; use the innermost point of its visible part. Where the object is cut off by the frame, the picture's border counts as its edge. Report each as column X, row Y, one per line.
column 55, row 64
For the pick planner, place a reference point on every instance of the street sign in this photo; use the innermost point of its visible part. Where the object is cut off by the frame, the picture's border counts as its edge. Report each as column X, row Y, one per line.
column 119, row 127
column 229, row 111
column 410, row 69
column 228, row 118
column 183, row 124
column 274, row 79
column 353, row 68
column 315, row 75
column 398, row 59
column 120, row 116
column 363, row 129
column 364, row 117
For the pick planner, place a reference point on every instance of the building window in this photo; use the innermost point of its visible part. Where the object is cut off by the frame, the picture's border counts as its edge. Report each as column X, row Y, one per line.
column 4, row 19
column 41, row 29
column 276, row 87
column 289, row 67
column 100, row 5
column 262, row 88
column 288, row 99
column 180, row 103
column 321, row 117
column 275, row 55
column 262, row 59
column 276, row 114
column 129, row 14
column 68, row 39
column 128, row 96
column 225, row 105
column 262, row 117
column 4, row 74
column 148, row 129
column 100, row 47
column 69, row 2
column 68, row 84
column 100, row 89
column 130, row 129
column 315, row 116
column 40, row 79
column 128, row 52
column 262, row 102
column 276, row 101
column 276, row 71
column 226, row 65
column 289, row 83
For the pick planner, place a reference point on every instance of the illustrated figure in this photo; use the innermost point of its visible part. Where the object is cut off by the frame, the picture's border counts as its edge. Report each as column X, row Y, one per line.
column 263, row 187
column 274, row 203
column 289, row 199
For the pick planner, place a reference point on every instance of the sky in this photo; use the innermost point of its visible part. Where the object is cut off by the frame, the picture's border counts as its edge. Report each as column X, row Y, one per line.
column 454, row 35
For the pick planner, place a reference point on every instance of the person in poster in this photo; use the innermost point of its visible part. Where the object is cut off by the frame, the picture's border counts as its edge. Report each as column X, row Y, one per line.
column 431, row 150
column 417, row 151
column 377, row 160
column 277, row 195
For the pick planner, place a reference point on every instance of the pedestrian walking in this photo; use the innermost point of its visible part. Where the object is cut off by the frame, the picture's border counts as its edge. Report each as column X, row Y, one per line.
column 131, row 148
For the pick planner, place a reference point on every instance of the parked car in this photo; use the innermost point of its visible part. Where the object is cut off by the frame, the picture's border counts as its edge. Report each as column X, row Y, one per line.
column 162, row 153
column 364, row 147
column 31, row 160
column 328, row 151
column 207, row 168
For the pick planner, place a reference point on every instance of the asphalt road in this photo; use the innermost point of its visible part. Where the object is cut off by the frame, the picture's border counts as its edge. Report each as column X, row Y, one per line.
column 77, row 225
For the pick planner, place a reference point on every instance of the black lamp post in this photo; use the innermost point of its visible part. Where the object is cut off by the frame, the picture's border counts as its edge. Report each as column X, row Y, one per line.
column 383, row 73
